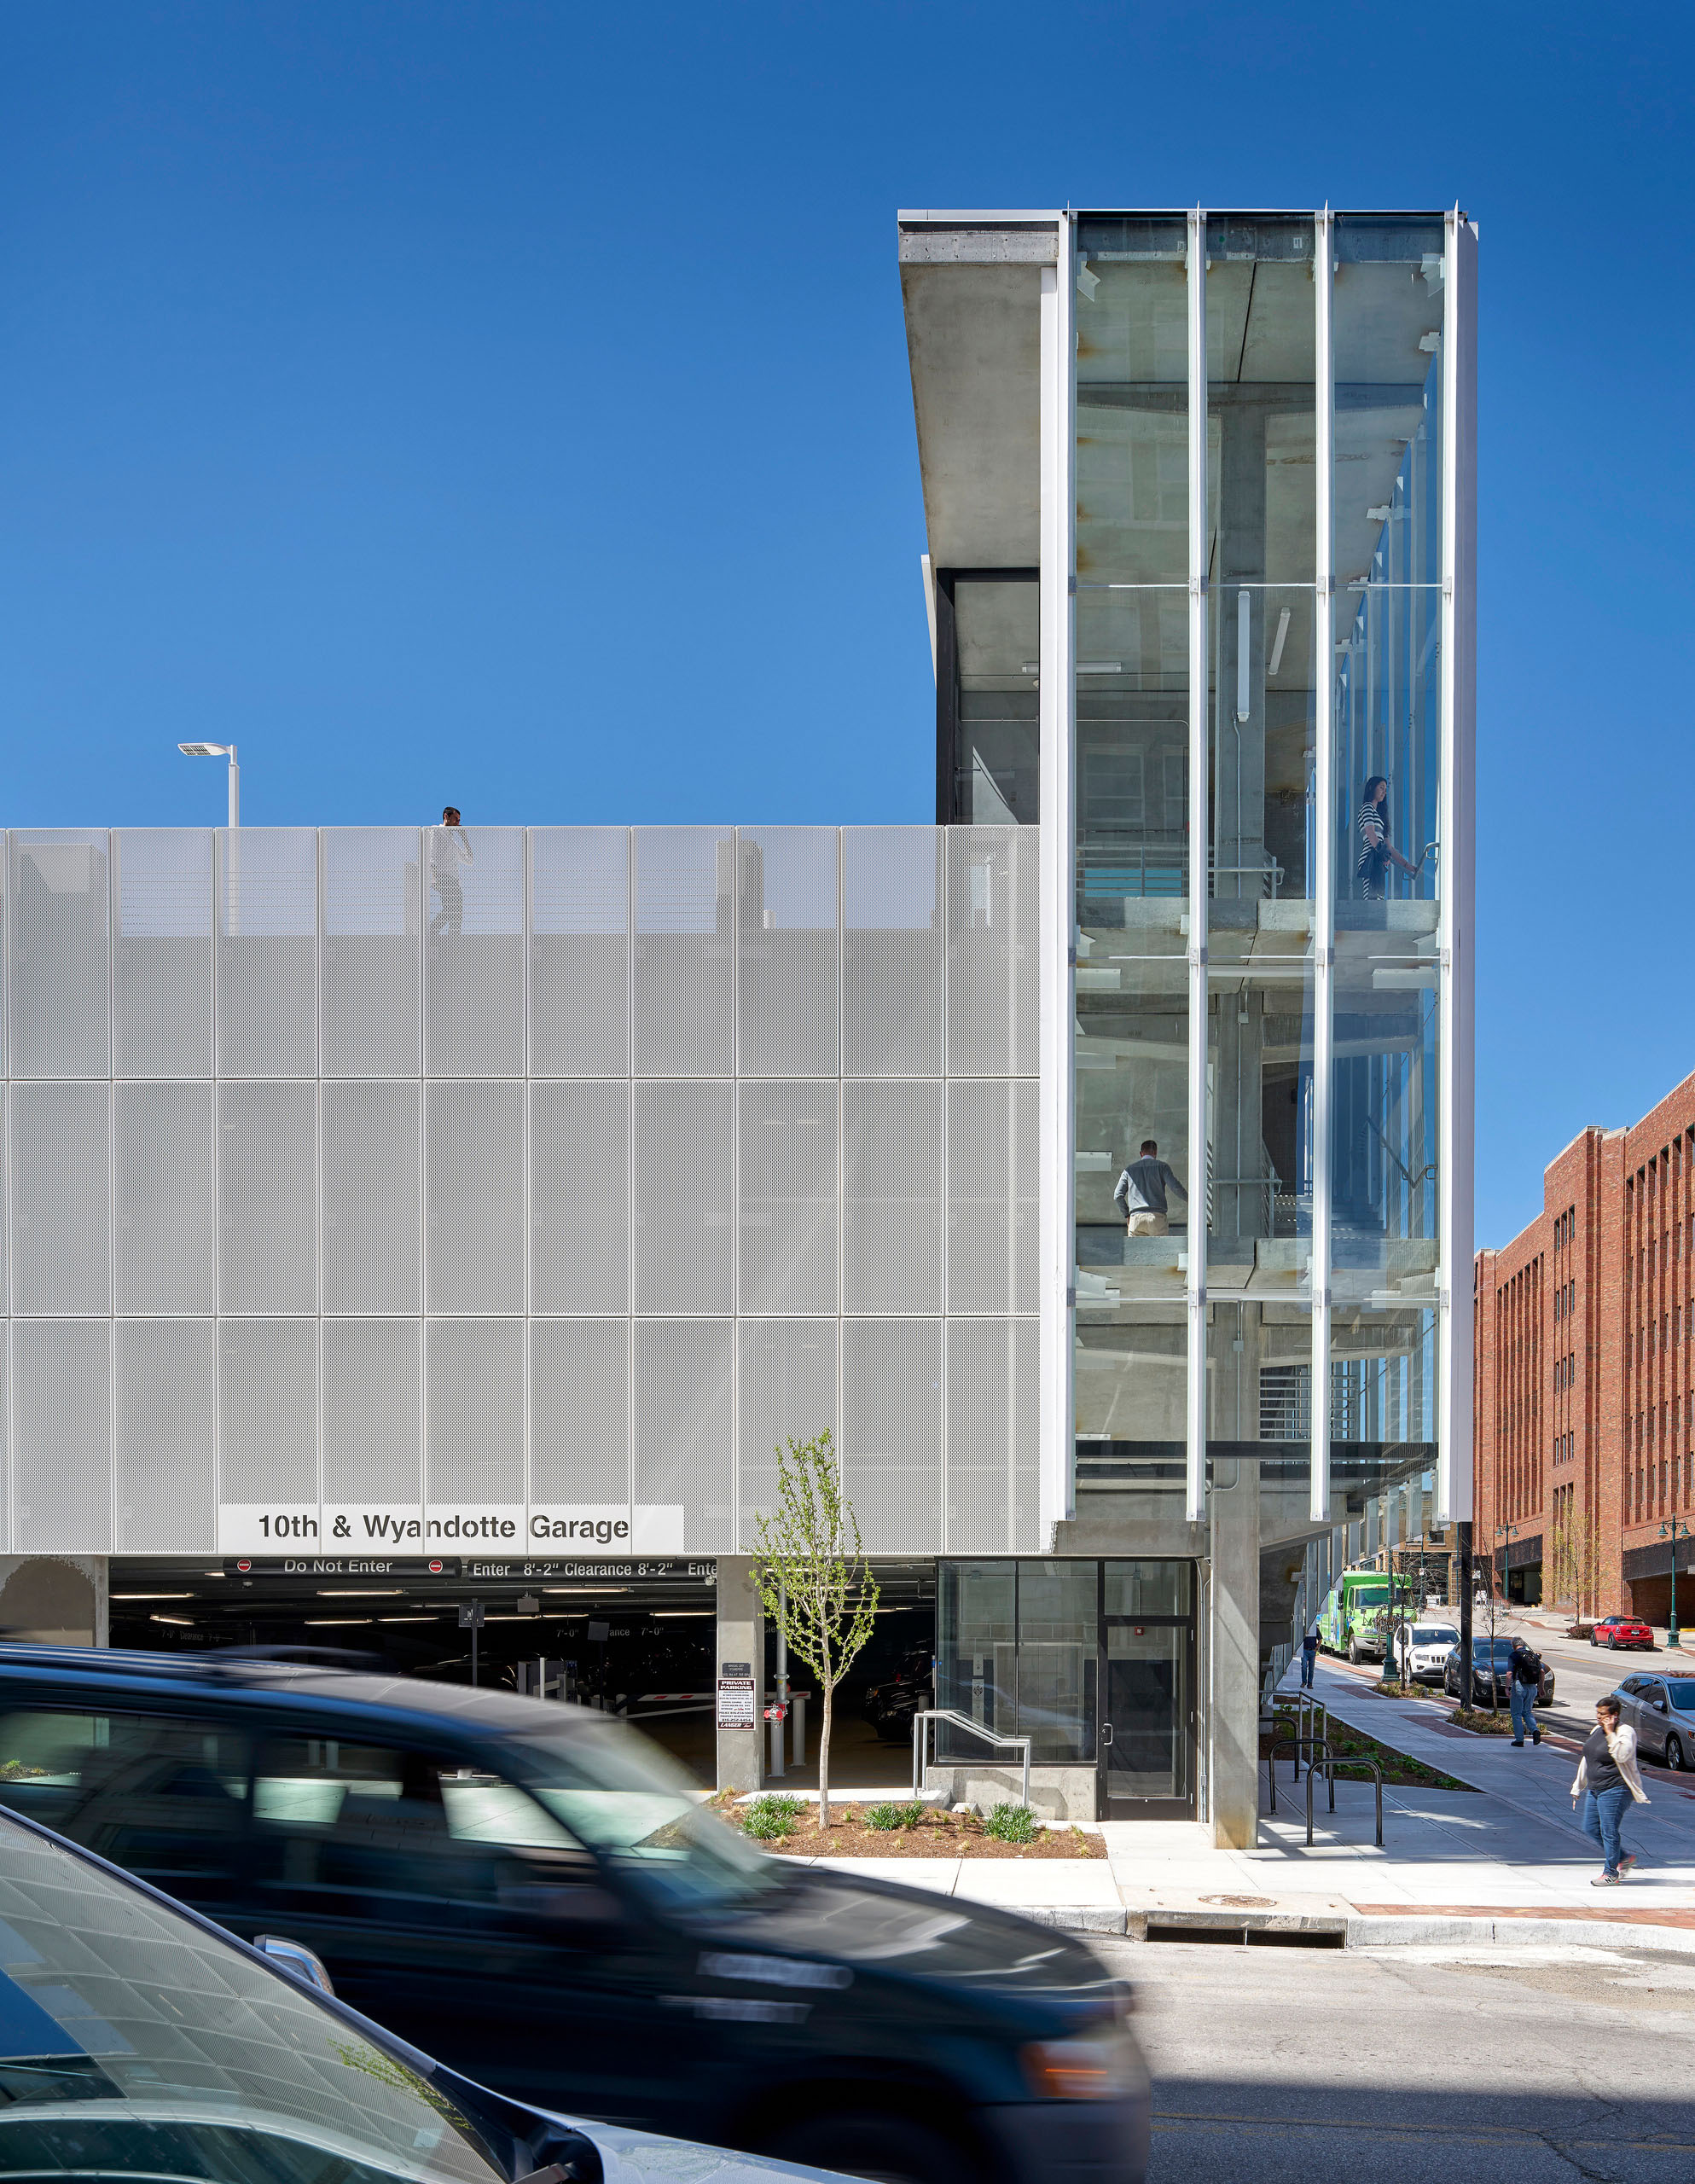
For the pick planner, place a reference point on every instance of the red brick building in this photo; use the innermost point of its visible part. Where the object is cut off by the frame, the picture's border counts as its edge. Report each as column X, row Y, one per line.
column 1584, row 1409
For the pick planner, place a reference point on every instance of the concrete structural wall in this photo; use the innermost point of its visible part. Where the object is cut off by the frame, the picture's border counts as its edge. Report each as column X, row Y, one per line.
column 384, row 1188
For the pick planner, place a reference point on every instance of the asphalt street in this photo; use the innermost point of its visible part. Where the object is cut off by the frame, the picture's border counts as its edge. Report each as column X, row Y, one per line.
column 1581, row 1673
column 1518, row 2067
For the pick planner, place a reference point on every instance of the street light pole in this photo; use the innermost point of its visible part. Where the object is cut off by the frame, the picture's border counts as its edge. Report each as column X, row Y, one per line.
column 220, row 751
column 1671, row 1528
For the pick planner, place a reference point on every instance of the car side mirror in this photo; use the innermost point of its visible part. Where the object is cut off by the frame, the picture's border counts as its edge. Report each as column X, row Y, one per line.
column 295, row 1959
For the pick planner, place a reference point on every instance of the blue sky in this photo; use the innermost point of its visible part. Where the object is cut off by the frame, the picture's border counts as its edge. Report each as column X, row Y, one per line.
column 508, row 402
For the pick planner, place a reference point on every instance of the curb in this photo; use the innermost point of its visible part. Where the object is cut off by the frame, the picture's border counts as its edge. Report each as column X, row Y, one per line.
column 1319, row 1930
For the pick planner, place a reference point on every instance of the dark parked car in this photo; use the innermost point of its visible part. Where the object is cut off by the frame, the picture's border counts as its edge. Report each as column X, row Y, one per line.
column 1613, row 1631
column 1492, row 1675
column 890, row 1706
column 1661, row 1709
column 138, row 2039
column 529, row 1892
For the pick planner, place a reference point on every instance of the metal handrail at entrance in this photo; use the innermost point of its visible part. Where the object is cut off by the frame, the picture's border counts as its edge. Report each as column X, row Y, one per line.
column 920, row 1740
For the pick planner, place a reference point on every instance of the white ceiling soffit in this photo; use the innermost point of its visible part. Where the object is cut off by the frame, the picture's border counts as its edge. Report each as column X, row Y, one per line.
column 972, row 291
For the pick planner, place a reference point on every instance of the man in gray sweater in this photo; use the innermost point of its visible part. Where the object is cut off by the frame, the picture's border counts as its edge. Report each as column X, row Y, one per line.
column 1141, row 1193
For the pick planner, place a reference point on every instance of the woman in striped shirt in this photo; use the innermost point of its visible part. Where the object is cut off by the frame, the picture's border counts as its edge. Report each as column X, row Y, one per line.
column 1377, row 851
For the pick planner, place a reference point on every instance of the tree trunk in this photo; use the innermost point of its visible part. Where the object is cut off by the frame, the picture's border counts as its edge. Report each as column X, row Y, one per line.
column 824, row 1760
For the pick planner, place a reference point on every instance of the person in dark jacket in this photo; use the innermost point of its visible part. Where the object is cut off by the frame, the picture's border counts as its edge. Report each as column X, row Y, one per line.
column 1309, row 1656
column 1527, row 1680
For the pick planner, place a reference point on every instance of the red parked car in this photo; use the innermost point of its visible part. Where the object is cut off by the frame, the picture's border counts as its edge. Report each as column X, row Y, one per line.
column 1615, row 1630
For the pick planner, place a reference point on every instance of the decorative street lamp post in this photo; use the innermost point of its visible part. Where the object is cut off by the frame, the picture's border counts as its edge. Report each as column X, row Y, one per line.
column 1674, row 1528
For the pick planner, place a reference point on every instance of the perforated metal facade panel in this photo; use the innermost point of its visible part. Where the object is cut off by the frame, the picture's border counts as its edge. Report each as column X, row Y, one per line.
column 473, row 1190
column 369, row 1135
column 167, row 1437
column 684, row 965
column 579, row 1196
column 373, row 1401
column 579, row 1411
column 787, row 1158
column 892, row 951
column 58, row 988
column 579, row 951
column 161, row 938
column 892, row 1430
column 787, row 952
column 685, row 1197
column 268, row 1411
column 61, row 1201
column 785, row 1390
column 268, row 952
column 891, row 1186
column 61, row 1436
column 581, row 1105
column 164, row 1139
column 473, row 1411
column 685, row 1406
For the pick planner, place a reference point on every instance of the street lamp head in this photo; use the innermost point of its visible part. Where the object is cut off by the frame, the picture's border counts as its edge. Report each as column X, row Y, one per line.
column 206, row 749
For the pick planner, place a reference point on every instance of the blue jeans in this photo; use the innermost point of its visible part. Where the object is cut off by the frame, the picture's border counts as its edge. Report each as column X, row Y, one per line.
column 1603, row 1816
column 1309, row 1655
column 1523, row 1700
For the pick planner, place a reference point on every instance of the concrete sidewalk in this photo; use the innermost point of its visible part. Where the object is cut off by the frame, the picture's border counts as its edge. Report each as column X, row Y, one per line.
column 1503, row 1860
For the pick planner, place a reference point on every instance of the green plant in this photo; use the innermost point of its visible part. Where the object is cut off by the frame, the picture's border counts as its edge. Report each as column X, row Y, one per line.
column 885, row 1817
column 1012, row 1824
column 771, row 1816
column 811, row 1571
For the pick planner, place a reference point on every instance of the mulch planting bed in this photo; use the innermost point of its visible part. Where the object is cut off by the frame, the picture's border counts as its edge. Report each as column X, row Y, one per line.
column 935, row 1835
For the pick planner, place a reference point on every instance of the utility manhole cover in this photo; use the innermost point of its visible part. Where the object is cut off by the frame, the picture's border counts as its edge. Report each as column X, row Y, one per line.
column 1242, row 1902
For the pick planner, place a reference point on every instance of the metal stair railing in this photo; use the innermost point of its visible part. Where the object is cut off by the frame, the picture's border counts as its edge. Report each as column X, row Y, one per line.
column 920, row 1740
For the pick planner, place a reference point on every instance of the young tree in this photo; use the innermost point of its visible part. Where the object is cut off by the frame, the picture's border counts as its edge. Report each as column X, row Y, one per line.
column 812, row 1575
column 1574, row 1564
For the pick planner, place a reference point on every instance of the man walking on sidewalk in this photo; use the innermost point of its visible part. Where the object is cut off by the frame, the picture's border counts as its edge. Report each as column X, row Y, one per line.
column 1309, row 1656
column 1527, row 1682
column 1608, row 1779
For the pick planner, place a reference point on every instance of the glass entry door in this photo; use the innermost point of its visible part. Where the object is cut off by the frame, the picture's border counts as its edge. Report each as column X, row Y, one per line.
column 1147, row 1686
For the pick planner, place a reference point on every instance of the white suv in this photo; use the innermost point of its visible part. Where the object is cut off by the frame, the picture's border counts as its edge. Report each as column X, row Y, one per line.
column 1421, row 1651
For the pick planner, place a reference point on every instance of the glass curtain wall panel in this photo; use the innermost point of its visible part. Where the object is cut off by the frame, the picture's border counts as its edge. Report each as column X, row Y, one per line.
column 1134, row 873
column 1261, row 710
column 996, row 639
column 1386, row 759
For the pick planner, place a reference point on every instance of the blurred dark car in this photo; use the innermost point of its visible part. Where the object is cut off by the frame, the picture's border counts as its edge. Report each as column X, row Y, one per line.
column 137, row 2041
column 531, row 1892
column 890, row 1706
column 1630, row 1631
column 1492, row 1675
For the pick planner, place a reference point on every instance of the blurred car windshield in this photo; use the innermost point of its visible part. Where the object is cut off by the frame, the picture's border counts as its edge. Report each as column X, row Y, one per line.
column 1431, row 1635
column 1498, row 1649
column 623, row 1799
column 132, row 2042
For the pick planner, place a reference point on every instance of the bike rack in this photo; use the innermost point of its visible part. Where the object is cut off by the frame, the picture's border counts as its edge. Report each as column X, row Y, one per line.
column 920, row 1741
column 1308, row 1744
column 1330, row 1768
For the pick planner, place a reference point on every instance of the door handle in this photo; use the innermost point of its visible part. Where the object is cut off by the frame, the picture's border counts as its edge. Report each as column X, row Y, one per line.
column 1105, row 1733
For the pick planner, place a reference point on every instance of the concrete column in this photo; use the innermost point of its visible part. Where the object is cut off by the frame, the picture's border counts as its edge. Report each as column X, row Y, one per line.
column 740, row 1637
column 55, row 1599
column 1234, row 1720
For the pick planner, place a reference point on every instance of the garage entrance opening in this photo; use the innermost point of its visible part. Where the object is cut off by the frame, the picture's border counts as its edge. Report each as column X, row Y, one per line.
column 635, row 1640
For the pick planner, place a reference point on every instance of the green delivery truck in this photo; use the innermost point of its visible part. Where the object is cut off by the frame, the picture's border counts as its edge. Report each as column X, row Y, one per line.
column 1356, row 1615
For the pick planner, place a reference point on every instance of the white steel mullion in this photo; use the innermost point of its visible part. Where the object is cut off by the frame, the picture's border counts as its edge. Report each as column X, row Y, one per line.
column 1456, row 875
column 1057, row 719
column 1324, row 859
column 1199, row 834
